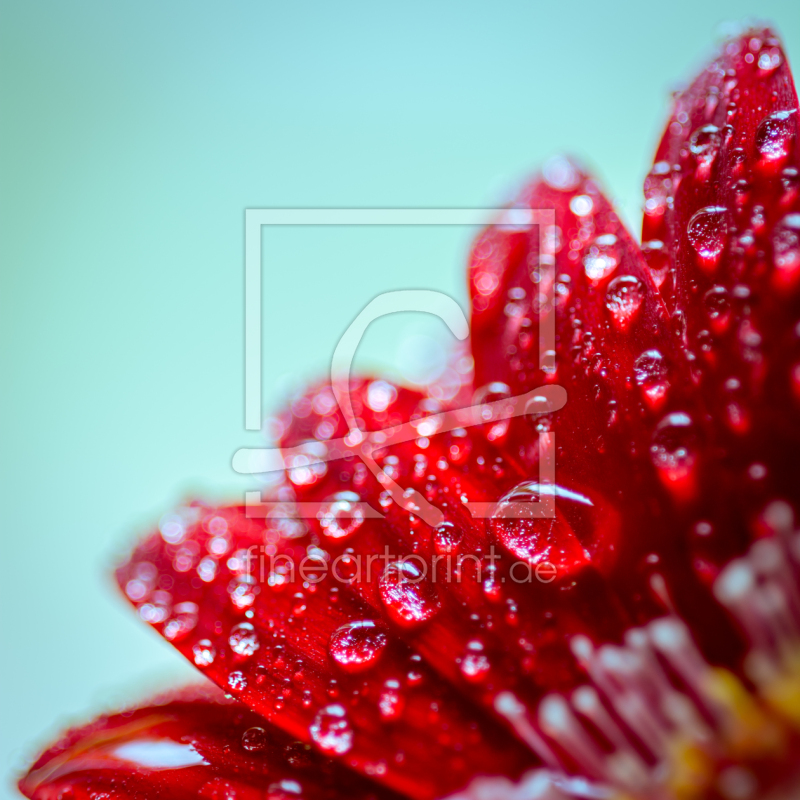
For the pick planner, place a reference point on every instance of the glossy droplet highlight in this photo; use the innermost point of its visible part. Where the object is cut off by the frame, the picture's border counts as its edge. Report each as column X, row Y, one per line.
column 708, row 234
column 775, row 137
column 624, row 298
column 446, row 538
column 357, row 645
column 342, row 516
column 786, row 249
column 527, row 524
column 203, row 653
column 408, row 596
column 704, row 145
column 601, row 258
column 491, row 400
column 254, row 739
column 331, row 730
column 243, row 639
column 475, row 664
column 673, row 452
column 650, row 372
column 657, row 258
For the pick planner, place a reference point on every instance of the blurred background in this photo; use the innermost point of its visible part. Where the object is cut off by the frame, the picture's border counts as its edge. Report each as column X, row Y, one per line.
column 133, row 138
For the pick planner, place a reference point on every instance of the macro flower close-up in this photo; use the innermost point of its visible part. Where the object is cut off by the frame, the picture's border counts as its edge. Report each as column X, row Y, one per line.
column 568, row 566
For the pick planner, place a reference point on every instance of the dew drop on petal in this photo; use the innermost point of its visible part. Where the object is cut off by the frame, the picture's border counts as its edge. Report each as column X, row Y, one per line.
column 243, row 639
column 657, row 259
column 408, row 596
column 717, row 306
column 254, row 739
column 490, row 401
column 786, row 249
column 237, row 681
column 203, row 653
column 775, row 137
column 601, row 258
column 390, row 702
column 708, row 234
column 182, row 622
column 651, row 372
column 331, row 730
column 704, row 145
column 446, row 538
column 341, row 516
column 673, row 451
column 624, row 298
column 357, row 646
column 474, row 664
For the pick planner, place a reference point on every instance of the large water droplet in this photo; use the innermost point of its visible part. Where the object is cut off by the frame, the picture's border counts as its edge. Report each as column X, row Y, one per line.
column 602, row 257
column 775, row 137
column 356, row 646
column 786, row 249
column 243, row 639
column 254, row 739
column 650, row 371
column 409, row 597
column 707, row 234
column 285, row 789
column 484, row 398
column 519, row 522
column 474, row 663
column 182, row 622
column 673, row 451
column 624, row 297
column 390, row 703
column 446, row 538
column 331, row 730
column 704, row 146
column 341, row 516
column 717, row 305
column 204, row 653
column 657, row 259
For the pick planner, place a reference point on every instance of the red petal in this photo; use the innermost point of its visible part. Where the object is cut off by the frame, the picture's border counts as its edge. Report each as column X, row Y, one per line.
column 723, row 198
column 190, row 744
column 283, row 642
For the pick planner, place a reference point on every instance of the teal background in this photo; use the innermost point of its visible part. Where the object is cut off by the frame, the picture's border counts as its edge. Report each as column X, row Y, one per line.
column 133, row 136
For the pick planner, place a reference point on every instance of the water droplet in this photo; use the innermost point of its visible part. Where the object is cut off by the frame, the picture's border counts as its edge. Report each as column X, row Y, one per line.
column 717, row 305
column 526, row 523
column 495, row 392
column 182, row 622
column 380, row 395
column 769, row 59
column 243, row 639
column 581, row 205
column 673, row 452
column 446, row 538
column 285, row 789
column 254, row 739
column 242, row 591
column 602, row 257
column 704, row 145
column 657, row 259
column 237, row 681
column 331, row 730
column 624, row 297
column 406, row 593
column 775, row 137
column 707, row 234
column 786, row 249
column 390, row 703
column 650, row 371
column 204, row 653
column 341, row 517
column 474, row 664
column 357, row 646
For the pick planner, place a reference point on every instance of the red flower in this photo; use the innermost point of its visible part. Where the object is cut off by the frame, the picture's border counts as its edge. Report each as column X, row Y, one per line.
column 644, row 642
